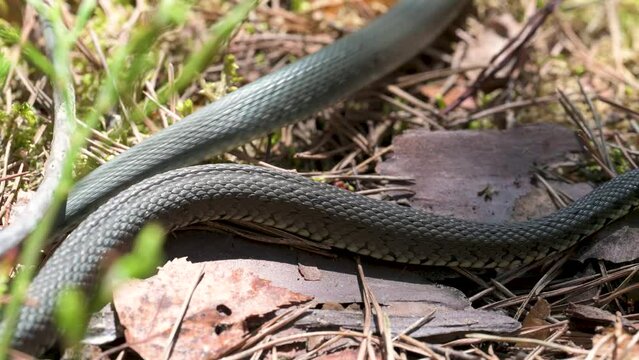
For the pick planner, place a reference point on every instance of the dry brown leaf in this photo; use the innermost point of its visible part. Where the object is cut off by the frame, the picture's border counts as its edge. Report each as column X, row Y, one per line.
column 537, row 317
column 310, row 273
column 215, row 319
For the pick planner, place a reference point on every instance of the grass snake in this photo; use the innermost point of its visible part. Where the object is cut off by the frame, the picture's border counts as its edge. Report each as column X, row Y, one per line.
column 147, row 182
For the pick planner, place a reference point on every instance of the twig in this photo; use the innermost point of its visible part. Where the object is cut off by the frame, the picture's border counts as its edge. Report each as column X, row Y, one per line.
column 178, row 321
column 292, row 338
column 507, row 53
column 566, row 349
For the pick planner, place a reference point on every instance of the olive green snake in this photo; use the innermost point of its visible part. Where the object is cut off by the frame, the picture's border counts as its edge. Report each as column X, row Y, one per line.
column 150, row 183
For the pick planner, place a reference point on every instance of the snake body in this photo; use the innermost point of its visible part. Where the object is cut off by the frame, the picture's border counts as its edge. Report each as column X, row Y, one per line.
column 320, row 212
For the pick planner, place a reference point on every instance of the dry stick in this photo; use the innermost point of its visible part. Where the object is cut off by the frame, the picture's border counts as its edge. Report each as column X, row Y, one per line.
column 383, row 323
column 367, row 314
column 310, row 155
column 539, row 286
column 178, row 322
column 621, row 107
column 532, row 330
column 509, row 276
column 430, row 109
column 607, row 286
column 375, row 157
column 574, row 114
column 363, row 347
column 586, row 136
column 535, row 353
column 414, row 79
column 13, row 176
column 509, row 51
column 563, row 291
column 36, row 91
column 68, row 19
column 107, row 353
column 477, row 280
column 555, row 196
column 501, row 287
column 415, row 112
column 626, row 281
column 363, row 177
column 258, row 354
column 386, row 189
column 414, row 344
column 601, row 144
column 566, row 349
column 502, row 108
column 165, row 110
column 323, row 347
column 5, row 163
column 594, row 154
column 442, row 349
column 615, row 294
column 290, row 339
column 416, row 325
column 273, row 325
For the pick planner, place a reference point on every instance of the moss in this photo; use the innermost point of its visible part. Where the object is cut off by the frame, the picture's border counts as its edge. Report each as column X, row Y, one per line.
column 481, row 124
column 185, row 108
column 23, row 123
column 619, row 161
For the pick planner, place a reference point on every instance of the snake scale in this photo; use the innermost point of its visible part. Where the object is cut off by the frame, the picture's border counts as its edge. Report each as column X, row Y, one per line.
column 146, row 182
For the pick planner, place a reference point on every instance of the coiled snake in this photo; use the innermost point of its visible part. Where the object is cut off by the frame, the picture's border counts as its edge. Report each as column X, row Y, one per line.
column 286, row 201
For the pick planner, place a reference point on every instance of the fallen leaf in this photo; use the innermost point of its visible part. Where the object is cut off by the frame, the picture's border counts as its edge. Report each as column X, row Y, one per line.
column 537, row 317
column 309, row 273
column 216, row 317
